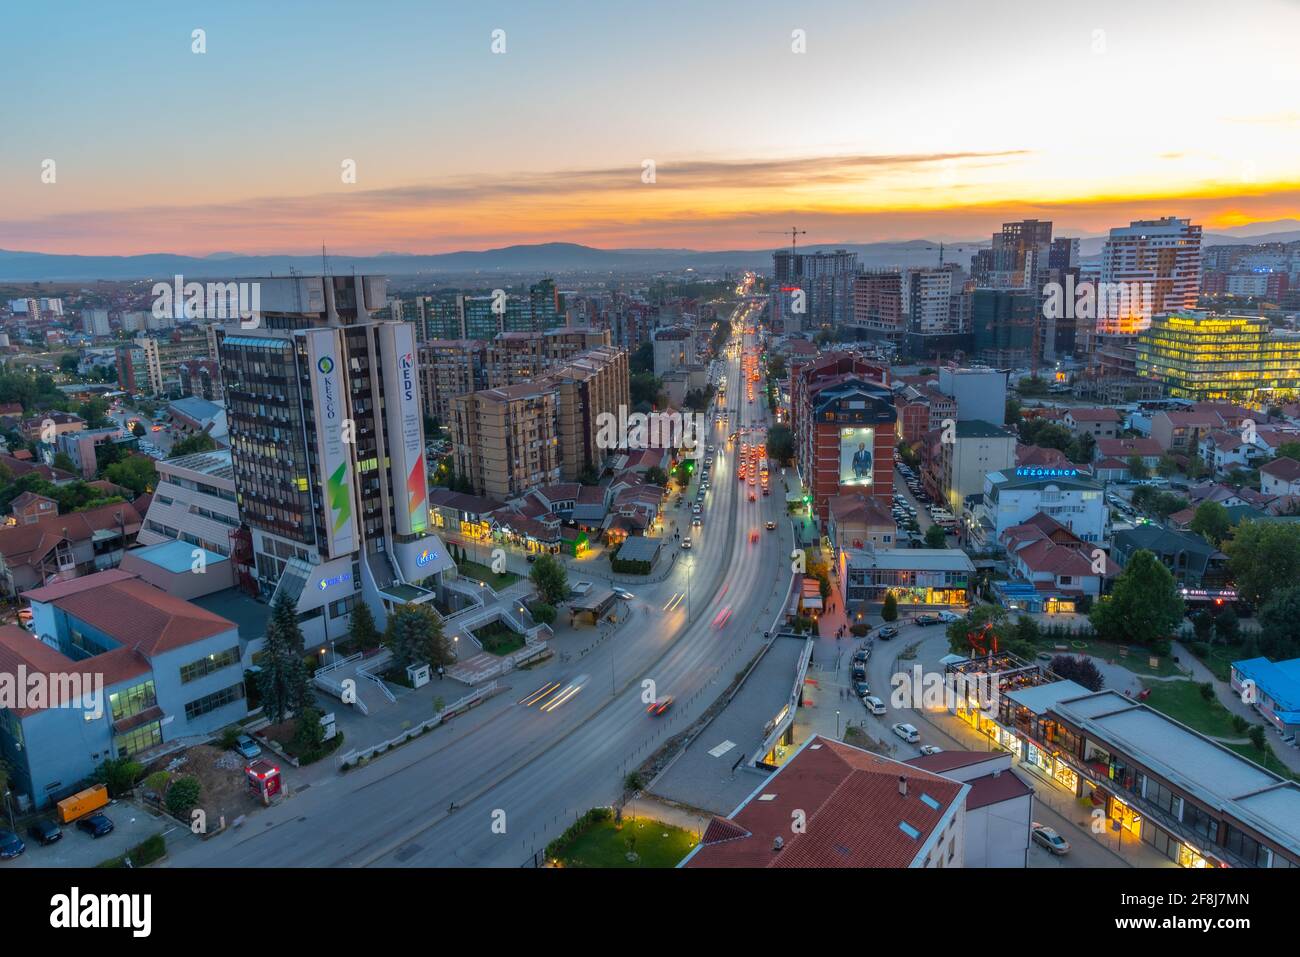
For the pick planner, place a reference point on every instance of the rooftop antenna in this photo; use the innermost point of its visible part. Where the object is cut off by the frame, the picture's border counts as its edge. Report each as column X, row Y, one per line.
column 324, row 261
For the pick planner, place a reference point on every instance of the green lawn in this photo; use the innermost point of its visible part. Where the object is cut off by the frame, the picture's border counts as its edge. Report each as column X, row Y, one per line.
column 482, row 573
column 498, row 638
column 1266, row 758
column 1182, row 701
column 1220, row 658
column 1135, row 661
column 602, row 845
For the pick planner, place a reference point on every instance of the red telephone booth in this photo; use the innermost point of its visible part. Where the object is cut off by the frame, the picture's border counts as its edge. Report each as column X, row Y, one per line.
column 263, row 780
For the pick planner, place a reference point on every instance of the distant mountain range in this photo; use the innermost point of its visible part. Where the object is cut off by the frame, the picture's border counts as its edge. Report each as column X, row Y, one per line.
column 558, row 258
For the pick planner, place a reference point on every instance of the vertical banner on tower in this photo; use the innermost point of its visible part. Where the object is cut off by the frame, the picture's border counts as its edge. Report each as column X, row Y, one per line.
column 327, row 384
column 405, row 428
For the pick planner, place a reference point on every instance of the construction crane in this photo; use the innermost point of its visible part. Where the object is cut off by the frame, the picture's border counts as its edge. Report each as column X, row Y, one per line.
column 794, row 233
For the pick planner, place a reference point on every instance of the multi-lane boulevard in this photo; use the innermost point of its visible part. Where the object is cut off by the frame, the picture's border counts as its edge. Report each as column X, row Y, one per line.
column 495, row 794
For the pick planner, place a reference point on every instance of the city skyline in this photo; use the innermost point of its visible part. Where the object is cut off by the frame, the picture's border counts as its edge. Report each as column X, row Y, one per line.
column 243, row 147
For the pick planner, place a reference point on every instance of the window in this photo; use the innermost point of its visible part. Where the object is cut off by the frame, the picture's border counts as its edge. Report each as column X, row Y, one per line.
column 218, row 699
column 206, row 666
column 124, row 704
column 139, row 739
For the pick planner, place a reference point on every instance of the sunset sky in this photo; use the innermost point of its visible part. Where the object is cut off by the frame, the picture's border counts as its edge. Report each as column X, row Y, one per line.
column 919, row 119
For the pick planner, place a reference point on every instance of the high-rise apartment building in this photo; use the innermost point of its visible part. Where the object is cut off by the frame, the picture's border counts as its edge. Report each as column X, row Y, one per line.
column 327, row 448
column 512, row 438
column 1156, row 265
column 825, row 280
column 878, row 304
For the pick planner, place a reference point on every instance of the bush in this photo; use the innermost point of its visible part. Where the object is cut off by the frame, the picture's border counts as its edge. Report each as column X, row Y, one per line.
column 1257, row 736
column 148, row 851
column 859, row 629
column 183, row 795
column 120, row 774
column 1240, row 724
column 1207, row 690
column 575, row 830
column 890, row 610
column 229, row 736
column 542, row 612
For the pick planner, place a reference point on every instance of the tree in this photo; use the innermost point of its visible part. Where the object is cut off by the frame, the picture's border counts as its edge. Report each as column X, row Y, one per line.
column 138, row 429
column 1288, row 450
column 1263, row 557
column 551, row 579
column 983, row 622
column 1211, row 522
column 1227, row 627
column 656, row 476
column 1143, row 607
column 309, row 735
column 542, row 612
column 120, row 774
column 1082, row 448
column 63, row 461
column 1166, row 466
column 95, row 412
column 1012, row 411
column 935, row 537
column 183, row 795
column 415, row 636
column 135, row 472
column 198, row 442
column 283, row 681
column 1082, row 670
column 361, row 626
column 1137, row 467
column 780, row 444
column 890, row 611
column 1166, row 503
column 643, row 359
column 1279, row 624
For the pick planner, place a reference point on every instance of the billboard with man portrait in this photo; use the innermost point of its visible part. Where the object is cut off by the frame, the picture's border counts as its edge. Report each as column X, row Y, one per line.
column 857, row 455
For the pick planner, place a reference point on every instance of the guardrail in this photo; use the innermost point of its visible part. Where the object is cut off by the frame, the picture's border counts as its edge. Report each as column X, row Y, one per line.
column 357, row 755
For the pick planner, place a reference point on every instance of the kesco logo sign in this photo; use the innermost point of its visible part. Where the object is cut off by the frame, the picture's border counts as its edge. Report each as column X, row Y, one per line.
column 425, row 557
column 326, row 365
column 407, row 363
column 336, row 580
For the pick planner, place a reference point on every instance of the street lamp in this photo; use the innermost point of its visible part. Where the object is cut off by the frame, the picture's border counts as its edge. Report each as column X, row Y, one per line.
column 837, row 723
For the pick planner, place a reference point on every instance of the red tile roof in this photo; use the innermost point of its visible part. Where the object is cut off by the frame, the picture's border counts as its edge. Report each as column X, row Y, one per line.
column 1283, row 469
column 1093, row 414
column 19, row 647
column 27, row 544
column 852, row 806
column 141, row 616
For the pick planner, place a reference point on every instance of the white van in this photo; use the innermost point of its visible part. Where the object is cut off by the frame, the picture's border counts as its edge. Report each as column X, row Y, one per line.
column 874, row 704
column 907, row 733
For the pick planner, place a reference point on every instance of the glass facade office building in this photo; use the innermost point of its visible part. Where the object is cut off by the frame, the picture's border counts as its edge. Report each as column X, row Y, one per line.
column 1207, row 356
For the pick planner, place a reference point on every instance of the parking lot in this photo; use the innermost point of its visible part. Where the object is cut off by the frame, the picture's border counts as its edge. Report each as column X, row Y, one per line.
column 132, row 825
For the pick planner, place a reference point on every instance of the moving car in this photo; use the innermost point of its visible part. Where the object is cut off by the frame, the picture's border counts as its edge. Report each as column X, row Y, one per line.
column 874, row 704
column 1048, row 838
column 96, row 825
column 770, row 526
column 686, row 542
column 753, row 497
column 624, row 594
column 660, row 704
column 45, row 831
column 753, row 536
column 247, row 747
column 889, row 631
column 931, row 749
column 695, row 522
column 11, row 845
column 907, row 733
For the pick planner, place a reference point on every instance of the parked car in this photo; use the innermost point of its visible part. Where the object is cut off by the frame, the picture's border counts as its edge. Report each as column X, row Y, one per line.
column 861, row 655
column 247, row 747
column 1048, row 838
column 531, row 558
column 925, row 620
column 949, row 616
column 860, row 689
column 859, row 673
column 907, row 733
column 45, row 831
column 96, row 825
column 11, row 845
column 931, row 749
column 624, row 594
column 874, row 704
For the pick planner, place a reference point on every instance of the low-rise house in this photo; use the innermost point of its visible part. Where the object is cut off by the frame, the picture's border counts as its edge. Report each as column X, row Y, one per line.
column 1148, row 450
column 1054, row 560
column 1280, row 477
column 856, row 521
column 62, row 547
column 1099, row 422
